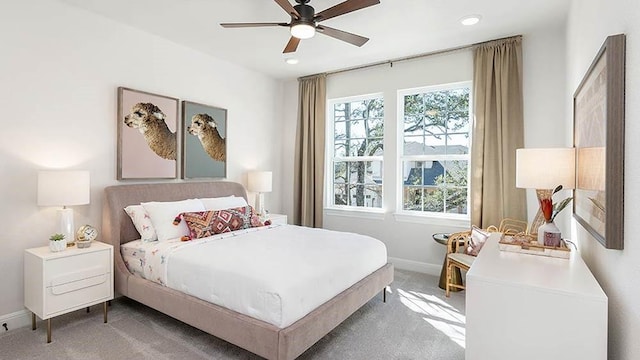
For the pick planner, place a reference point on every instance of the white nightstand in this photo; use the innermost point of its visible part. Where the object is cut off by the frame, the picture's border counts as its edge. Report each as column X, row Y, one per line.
column 278, row 219
column 56, row 283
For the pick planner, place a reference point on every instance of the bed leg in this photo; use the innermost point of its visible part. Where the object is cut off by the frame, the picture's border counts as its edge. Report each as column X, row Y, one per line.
column 384, row 294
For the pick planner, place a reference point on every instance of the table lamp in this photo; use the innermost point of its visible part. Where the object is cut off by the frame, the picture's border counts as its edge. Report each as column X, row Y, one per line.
column 64, row 188
column 259, row 182
column 543, row 170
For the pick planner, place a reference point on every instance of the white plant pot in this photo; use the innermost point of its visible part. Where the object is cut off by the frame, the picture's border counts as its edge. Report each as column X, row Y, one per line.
column 58, row 245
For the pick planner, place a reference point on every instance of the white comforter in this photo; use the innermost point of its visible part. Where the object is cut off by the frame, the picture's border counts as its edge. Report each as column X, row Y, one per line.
column 276, row 274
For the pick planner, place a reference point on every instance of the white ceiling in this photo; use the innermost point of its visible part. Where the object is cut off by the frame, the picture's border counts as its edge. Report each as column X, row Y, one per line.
column 396, row 28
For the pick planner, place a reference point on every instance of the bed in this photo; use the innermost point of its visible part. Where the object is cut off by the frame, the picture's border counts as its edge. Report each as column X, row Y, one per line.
column 258, row 336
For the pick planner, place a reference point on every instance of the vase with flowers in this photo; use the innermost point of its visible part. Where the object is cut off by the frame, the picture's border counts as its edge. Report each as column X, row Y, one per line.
column 548, row 233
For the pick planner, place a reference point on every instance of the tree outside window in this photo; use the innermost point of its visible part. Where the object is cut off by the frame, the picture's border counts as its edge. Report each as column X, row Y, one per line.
column 435, row 153
column 358, row 134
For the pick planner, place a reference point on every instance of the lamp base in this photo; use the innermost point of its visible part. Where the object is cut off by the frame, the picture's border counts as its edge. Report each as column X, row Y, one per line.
column 65, row 223
column 260, row 205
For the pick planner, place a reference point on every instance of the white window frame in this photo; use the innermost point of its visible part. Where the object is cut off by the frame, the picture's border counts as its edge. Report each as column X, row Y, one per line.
column 425, row 216
column 346, row 210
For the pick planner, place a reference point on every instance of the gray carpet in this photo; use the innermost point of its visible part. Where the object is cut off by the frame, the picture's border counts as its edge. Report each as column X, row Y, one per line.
column 416, row 322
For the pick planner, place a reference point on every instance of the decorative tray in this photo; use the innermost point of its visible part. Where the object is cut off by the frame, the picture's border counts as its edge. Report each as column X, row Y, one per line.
column 527, row 244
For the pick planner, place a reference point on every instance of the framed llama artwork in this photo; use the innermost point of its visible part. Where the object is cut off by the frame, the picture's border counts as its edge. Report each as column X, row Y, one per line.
column 204, row 141
column 147, row 140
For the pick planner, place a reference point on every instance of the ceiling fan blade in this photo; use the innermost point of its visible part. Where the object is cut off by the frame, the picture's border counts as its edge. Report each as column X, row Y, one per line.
column 286, row 5
column 292, row 45
column 241, row 25
column 343, row 8
column 353, row 39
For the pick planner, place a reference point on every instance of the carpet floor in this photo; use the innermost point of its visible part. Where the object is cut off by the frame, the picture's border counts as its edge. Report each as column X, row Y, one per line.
column 416, row 322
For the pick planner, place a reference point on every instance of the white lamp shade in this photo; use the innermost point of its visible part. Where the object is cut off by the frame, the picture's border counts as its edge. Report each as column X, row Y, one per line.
column 259, row 181
column 545, row 168
column 63, row 188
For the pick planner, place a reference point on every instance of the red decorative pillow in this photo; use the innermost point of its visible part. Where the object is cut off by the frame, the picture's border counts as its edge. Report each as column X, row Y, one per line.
column 207, row 223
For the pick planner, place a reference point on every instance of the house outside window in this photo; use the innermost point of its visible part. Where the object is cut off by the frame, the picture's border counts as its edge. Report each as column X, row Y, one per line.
column 355, row 149
column 434, row 139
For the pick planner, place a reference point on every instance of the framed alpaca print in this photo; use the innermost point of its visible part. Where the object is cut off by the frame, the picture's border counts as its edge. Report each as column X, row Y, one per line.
column 598, row 136
column 204, row 141
column 147, row 142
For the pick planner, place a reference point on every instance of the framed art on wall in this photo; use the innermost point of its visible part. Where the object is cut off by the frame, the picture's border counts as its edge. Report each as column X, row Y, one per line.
column 147, row 143
column 598, row 136
column 204, row 141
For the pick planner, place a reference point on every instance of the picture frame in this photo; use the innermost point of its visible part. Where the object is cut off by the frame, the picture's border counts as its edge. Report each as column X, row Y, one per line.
column 204, row 145
column 147, row 127
column 598, row 137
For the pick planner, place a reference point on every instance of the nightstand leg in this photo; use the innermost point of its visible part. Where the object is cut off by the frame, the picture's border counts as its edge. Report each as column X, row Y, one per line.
column 105, row 311
column 87, row 309
column 384, row 295
column 48, row 330
column 33, row 321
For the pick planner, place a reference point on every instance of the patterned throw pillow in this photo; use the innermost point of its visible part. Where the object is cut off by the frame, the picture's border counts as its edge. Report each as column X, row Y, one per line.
column 256, row 222
column 142, row 222
column 207, row 223
column 478, row 238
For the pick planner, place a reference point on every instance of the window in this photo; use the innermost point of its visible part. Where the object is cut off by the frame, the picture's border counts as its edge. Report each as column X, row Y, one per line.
column 434, row 156
column 356, row 150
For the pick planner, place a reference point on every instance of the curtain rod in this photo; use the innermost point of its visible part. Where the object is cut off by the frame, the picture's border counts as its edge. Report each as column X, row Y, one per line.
column 412, row 57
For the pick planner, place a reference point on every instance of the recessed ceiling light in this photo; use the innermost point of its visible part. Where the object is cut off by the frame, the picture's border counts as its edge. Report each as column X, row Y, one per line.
column 470, row 20
column 291, row 61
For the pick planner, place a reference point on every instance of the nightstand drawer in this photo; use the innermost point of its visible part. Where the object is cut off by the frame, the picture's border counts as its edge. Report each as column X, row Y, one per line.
column 77, row 294
column 78, row 280
column 74, row 268
column 278, row 219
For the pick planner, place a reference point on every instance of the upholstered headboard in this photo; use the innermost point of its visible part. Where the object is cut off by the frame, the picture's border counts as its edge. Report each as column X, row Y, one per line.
column 117, row 227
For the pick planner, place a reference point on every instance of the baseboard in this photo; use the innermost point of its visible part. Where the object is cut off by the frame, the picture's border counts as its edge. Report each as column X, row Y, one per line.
column 15, row 320
column 411, row 265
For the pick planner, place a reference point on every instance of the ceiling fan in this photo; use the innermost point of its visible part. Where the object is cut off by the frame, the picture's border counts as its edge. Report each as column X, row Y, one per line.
column 304, row 21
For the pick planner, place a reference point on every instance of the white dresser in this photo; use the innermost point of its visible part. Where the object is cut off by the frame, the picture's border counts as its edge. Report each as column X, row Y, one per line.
column 524, row 307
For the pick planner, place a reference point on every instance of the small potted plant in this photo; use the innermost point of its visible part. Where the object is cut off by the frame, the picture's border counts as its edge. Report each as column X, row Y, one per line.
column 57, row 242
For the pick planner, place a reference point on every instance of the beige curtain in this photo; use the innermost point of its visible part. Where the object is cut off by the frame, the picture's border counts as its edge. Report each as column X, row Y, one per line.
column 309, row 166
column 498, row 131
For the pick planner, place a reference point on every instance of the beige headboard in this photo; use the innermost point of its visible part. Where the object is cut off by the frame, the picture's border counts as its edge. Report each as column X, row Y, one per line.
column 117, row 227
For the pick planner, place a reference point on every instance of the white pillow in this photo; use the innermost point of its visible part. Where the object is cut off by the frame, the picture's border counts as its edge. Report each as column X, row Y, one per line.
column 163, row 214
column 223, row 203
column 142, row 222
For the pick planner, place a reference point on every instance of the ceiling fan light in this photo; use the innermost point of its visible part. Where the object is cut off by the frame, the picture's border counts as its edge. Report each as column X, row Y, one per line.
column 303, row 31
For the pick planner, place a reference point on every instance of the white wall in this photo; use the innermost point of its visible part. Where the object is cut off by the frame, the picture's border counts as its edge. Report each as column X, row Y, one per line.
column 59, row 71
column 590, row 22
column 410, row 244
column 545, row 91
